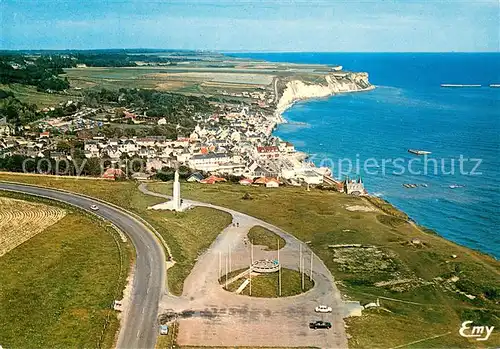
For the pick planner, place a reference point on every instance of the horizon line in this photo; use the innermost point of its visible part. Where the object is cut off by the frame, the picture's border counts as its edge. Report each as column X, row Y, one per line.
column 225, row 50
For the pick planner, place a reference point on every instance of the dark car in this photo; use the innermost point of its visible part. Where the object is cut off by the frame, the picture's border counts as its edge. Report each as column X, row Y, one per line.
column 320, row 324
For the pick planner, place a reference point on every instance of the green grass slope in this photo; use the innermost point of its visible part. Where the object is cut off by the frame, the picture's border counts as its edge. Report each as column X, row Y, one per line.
column 57, row 288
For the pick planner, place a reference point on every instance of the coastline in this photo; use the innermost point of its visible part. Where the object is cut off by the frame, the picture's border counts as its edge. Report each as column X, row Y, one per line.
column 296, row 91
column 372, row 195
column 279, row 112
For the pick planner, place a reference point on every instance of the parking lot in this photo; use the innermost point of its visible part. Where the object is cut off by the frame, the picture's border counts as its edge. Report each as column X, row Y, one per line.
column 211, row 316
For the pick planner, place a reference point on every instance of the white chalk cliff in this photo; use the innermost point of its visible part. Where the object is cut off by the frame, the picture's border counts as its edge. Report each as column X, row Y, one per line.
column 296, row 90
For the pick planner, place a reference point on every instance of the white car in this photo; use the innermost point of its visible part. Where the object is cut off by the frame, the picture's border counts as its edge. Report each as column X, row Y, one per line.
column 163, row 330
column 323, row 309
column 94, row 207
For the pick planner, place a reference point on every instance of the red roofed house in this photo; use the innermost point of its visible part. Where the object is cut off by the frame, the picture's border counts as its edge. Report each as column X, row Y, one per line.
column 113, row 173
column 246, row 181
column 212, row 180
column 269, row 152
column 340, row 186
column 272, row 183
column 268, row 182
column 129, row 115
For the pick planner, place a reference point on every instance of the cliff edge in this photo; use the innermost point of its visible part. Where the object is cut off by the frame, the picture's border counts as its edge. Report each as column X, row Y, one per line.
column 336, row 82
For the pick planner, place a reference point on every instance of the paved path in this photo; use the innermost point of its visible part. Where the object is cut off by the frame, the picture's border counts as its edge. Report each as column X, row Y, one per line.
column 139, row 329
column 214, row 317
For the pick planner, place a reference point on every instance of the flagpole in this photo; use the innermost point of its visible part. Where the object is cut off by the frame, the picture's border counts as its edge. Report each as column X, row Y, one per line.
column 303, row 267
column 311, row 275
column 220, row 265
column 300, row 266
column 279, row 270
column 230, row 263
column 251, row 265
column 226, row 272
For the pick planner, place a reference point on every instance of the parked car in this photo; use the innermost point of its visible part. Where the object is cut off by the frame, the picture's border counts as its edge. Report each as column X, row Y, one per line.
column 323, row 309
column 94, row 207
column 163, row 330
column 320, row 324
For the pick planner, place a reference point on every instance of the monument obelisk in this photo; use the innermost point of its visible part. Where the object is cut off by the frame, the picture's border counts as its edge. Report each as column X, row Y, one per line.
column 176, row 195
column 176, row 204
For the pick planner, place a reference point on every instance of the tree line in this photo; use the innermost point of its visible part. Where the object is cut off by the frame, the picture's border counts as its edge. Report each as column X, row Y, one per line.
column 42, row 74
column 177, row 109
column 19, row 113
column 77, row 165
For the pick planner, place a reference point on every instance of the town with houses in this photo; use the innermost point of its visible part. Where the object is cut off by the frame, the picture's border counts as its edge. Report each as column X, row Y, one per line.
column 236, row 141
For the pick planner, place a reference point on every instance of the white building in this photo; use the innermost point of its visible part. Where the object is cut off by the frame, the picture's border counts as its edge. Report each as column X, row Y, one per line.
column 354, row 187
column 5, row 128
column 270, row 152
column 286, row 147
column 208, row 162
column 154, row 165
column 310, row 177
column 128, row 146
column 91, row 149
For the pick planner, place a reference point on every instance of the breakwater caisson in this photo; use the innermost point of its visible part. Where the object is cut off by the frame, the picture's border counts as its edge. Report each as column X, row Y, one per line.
column 460, row 85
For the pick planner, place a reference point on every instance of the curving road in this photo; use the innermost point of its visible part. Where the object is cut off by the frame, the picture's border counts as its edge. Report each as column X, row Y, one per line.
column 139, row 328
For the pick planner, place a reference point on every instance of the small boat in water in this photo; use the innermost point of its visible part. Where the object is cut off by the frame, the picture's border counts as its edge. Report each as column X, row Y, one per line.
column 419, row 152
column 455, row 186
column 410, row 185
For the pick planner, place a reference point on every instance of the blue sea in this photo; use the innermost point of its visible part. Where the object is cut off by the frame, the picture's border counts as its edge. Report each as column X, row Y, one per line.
column 409, row 110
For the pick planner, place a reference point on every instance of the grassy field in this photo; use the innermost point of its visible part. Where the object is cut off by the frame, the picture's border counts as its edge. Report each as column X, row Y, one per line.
column 266, row 285
column 193, row 232
column 187, row 234
column 57, row 288
column 426, row 306
column 21, row 220
column 164, row 342
column 185, row 80
column 29, row 94
column 191, row 347
column 194, row 78
column 264, row 237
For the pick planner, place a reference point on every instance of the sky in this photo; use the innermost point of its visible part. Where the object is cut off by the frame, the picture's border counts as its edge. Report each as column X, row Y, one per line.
column 253, row 25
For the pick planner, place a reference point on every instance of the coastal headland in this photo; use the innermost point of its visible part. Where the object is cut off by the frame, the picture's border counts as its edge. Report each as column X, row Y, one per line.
column 293, row 90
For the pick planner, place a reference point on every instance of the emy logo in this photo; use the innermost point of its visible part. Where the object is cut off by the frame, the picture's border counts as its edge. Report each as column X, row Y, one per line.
column 481, row 333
